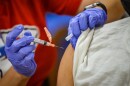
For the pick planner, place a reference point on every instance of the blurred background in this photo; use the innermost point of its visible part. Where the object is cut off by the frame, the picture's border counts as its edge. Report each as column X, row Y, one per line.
column 57, row 25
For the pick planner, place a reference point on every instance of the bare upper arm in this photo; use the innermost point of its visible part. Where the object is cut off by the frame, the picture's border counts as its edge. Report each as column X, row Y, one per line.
column 65, row 77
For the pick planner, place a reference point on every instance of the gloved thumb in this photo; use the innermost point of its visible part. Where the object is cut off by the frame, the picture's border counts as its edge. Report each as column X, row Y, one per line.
column 27, row 33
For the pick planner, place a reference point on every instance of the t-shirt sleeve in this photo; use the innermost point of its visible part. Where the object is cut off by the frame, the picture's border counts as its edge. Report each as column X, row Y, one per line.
column 69, row 7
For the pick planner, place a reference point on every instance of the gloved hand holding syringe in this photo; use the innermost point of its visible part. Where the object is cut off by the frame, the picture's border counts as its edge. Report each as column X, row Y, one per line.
column 20, row 52
column 45, row 43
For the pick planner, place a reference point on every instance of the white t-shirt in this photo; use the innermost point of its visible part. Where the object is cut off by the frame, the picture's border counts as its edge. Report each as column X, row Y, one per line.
column 102, row 56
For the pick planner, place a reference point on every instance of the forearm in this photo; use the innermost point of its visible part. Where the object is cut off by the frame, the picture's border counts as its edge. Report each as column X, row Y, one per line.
column 114, row 8
column 12, row 78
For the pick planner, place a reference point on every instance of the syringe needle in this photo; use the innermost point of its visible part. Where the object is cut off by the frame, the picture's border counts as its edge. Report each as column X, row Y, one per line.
column 59, row 47
column 43, row 42
column 53, row 45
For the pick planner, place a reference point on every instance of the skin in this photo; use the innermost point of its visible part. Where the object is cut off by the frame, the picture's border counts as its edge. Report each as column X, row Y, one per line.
column 12, row 78
column 65, row 77
column 115, row 9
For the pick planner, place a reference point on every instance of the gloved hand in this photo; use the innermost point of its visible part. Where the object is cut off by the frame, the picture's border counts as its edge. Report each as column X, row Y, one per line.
column 19, row 52
column 89, row 18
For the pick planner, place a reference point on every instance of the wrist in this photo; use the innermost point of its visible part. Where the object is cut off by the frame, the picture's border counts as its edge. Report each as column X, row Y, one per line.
column 18, row 75
column 13, row 78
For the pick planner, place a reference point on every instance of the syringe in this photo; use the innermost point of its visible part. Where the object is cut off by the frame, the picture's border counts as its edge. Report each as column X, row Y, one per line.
column 45, row 43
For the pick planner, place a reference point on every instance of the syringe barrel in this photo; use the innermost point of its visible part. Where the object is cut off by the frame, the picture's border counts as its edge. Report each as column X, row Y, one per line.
column 43, row 42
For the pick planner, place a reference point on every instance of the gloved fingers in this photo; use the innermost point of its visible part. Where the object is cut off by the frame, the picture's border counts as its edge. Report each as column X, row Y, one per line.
column 102, row 14
column 69, row 30
column 27, row 66
column 21, row 43
column 17, row 57
column 29, row 61
column 73, row 42
column 27, row 33
column 74, row 25
column 83, row 22
column 92, row 21
column 102, row 17
column 13, row 35
column 98, row 16
column 101, row 21
column 25, row 51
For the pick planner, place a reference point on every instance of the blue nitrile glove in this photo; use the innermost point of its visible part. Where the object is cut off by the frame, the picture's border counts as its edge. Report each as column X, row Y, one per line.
column 19, row 52
column 89, row 18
